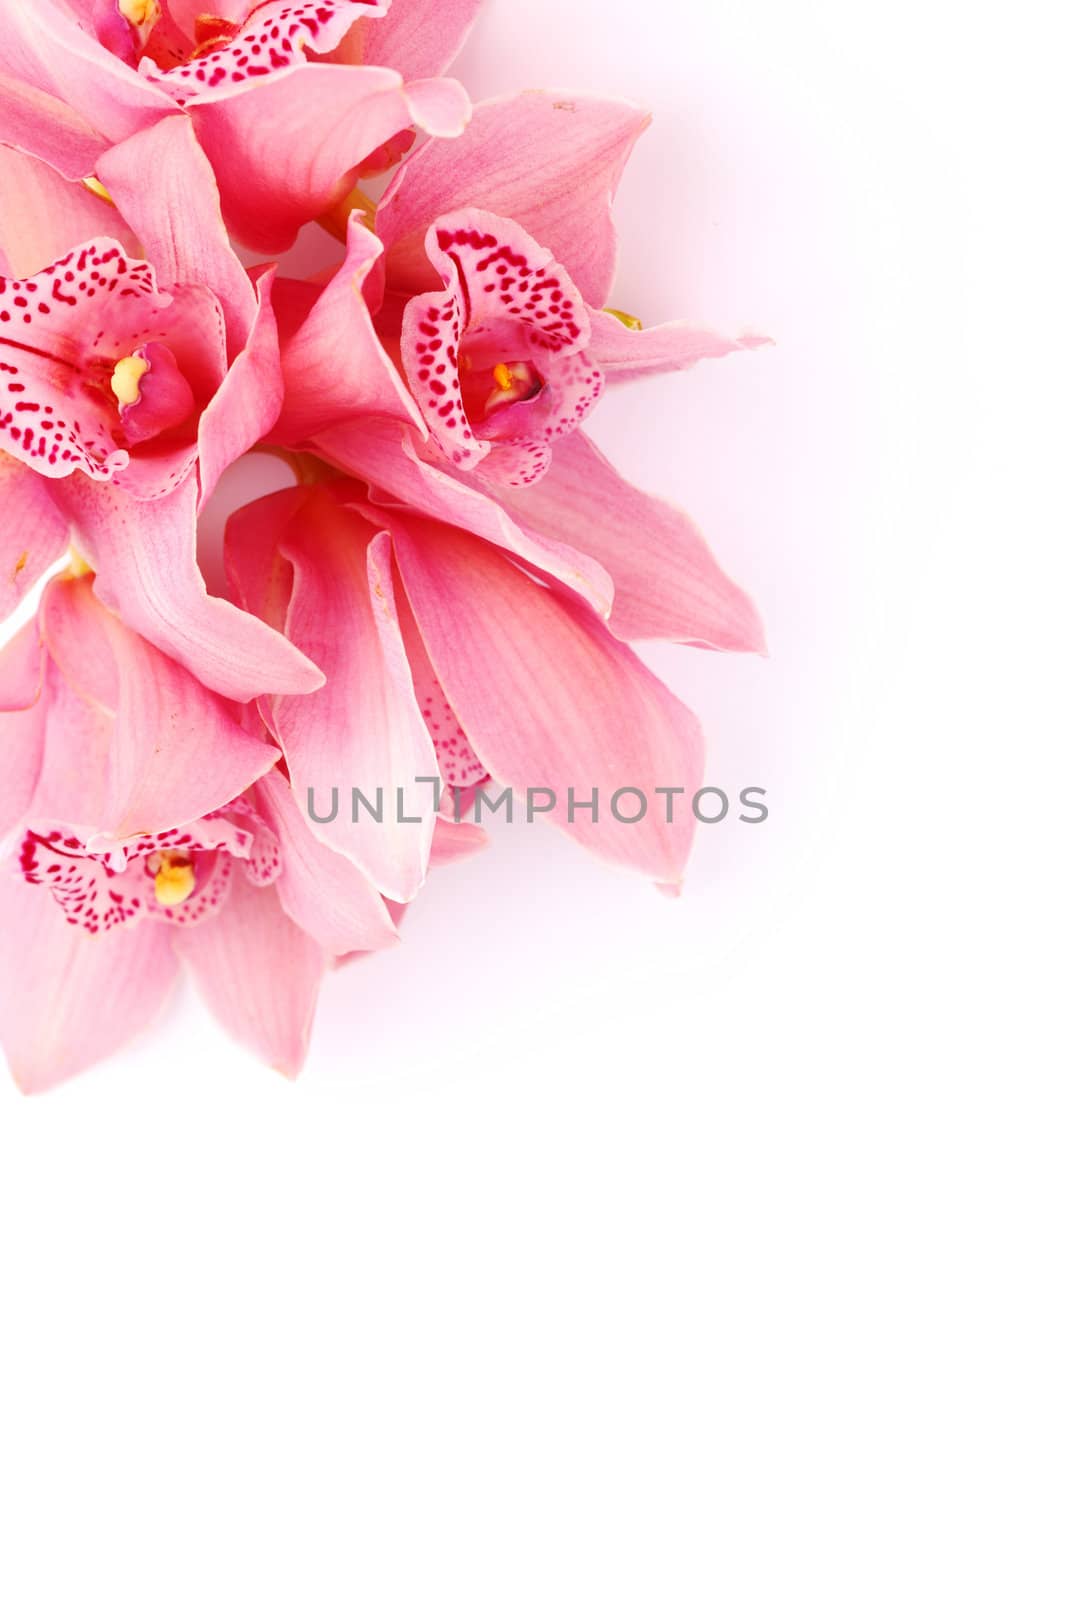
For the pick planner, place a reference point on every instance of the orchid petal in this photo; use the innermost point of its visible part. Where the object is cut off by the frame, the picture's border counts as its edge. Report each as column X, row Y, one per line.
column 322, row 891
column 69, row 998
column 623, row 352
column 550, row 162
column 363, row 727
column 260, row 578
column 176, row 753
column 550, row 699
column 22, row 725
column 47, row 48
column 457, row 763
column 258, row 972
column 21, row 744
column 42, row 126
column 334, row 366
column 384, row 455
column 320, row 128
column 178, row 218
column 249, row 399
column 33, row 531
column 667, row 583
column 145, row 559
column 22, row 665
column 73, row 781
column 419, row 38
column 455, row 841
column 44, row 216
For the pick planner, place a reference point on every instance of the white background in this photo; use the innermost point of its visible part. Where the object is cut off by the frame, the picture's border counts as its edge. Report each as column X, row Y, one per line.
column 615, row 1247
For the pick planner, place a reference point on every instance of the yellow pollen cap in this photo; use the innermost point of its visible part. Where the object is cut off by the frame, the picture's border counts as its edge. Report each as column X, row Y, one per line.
column 502, row 377
column 634, row 323
column 126, row 379
column 94, row 186
column 175, row 880
column 141, row 13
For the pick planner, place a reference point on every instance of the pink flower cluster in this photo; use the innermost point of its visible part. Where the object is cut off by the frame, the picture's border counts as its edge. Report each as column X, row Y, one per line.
column 451, row 587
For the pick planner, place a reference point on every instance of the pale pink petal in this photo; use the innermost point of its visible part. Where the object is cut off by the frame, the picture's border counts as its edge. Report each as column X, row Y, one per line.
column 22, row 664
column 69, row 998
column 282, row 154
column 384, row 455
column 419, row 38
column 457, row 763
column 177, row 754
column 321, row 890
column 551, row 162
column 78, row 640
column 363, row 728
column 622, row 352
column 44, row 215
column 23, row 711
column 33, row 531
column 438, row 106
column 177, row 217
column 455, row 841
column 42, row 126
column 668, row 584
column 550, row 699
column 248, row 400
column 260, row 578
column 258, row 972
column 144, row 554
column 73, row 781
column 21, row 745
column 47, row 48
column 334, row 367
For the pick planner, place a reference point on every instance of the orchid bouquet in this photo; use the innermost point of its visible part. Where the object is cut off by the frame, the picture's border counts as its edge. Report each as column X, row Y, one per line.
column 447, row 595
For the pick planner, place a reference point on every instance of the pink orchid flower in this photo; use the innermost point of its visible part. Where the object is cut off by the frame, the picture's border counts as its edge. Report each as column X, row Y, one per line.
column 443, row 657
column 145, row 822
column 528, row 479
column 501, row 257
column 84, row 76
column 498, row 358
column 115, row 387
column 127, row 386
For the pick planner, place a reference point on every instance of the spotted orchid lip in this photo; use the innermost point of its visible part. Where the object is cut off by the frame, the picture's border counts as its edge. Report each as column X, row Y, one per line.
column 226, row 56
column 80, row 316
column 181, row 874
column 506, row 292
